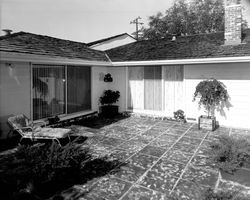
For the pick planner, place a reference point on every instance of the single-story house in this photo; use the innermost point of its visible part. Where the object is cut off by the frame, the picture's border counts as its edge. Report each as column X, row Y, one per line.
column 41, row 76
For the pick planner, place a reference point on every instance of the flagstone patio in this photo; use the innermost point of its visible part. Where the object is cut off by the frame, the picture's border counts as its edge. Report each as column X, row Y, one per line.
column 162, row 158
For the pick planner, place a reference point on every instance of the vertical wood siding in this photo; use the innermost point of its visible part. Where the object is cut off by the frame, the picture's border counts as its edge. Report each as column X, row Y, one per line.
column 159, row 87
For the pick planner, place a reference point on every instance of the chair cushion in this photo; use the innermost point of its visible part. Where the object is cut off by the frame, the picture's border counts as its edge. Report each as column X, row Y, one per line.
column 52, row 132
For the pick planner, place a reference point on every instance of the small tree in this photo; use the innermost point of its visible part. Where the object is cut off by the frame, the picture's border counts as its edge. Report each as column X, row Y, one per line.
column 211, row 94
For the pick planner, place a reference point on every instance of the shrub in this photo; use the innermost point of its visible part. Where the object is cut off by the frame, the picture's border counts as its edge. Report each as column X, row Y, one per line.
column 211, row 94
column 230, row 153
column 42, row 169
column 109, row 97
column 210, row 194
column 180, row 116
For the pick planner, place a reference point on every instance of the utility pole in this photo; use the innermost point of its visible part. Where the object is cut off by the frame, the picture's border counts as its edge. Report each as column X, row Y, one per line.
column 137, row 23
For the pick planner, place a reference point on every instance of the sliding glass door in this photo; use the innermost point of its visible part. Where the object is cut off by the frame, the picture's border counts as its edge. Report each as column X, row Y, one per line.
column 60, row 90
column 78, row 89
column 48, row 91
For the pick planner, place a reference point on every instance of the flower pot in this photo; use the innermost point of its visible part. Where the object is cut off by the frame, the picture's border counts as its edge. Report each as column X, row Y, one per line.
column 108, row 111
column 207, row 123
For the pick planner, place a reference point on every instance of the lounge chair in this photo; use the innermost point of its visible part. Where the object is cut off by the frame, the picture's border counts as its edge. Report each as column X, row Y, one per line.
column 34, row 131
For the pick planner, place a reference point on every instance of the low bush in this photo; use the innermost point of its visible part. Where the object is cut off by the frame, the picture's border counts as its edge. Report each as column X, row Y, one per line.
column 230, row 153
column 42, row 170
column 180, row 116
column 210, row 194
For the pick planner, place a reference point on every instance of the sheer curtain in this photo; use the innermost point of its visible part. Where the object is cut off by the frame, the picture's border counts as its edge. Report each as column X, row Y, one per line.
column 78, row 89
column 48, row 91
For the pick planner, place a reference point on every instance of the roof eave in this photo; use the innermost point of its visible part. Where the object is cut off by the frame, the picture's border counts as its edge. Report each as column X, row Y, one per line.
column 24, row 57
column 185, row 61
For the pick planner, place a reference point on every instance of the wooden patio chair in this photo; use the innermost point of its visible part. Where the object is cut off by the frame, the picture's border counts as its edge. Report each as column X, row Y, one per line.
column 34, row 131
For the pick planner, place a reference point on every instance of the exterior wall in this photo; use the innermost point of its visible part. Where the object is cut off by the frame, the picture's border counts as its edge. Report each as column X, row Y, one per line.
column 116, row 42
column 119, row 83
column 236, row 77
column 98, row 85
column 14, row 92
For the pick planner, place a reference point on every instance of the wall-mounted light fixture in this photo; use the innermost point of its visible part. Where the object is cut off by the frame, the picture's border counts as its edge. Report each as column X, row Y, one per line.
column 108, row 78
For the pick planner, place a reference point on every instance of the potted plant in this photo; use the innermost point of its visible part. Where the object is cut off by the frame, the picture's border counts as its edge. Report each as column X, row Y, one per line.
column 107, row 100
column 211, row 94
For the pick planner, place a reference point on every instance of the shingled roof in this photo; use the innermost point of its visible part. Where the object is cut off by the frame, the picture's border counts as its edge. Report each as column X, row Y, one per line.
column 29, row 43
column 185, row 47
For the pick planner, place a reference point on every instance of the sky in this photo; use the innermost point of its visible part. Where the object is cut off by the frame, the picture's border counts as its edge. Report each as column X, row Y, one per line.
column 77, row 20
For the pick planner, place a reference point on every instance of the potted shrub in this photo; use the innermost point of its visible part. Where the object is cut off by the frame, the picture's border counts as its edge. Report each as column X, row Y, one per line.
column 107, row 109
column 212, row 94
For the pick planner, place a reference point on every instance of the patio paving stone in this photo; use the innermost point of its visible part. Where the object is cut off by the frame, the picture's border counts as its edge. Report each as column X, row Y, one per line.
column 151, row 134
column 164, row 167
column 186, row 148
column 143, row 161
column 188, row 190
column 120, row 135
column 175, row 131
column 203, row 151
column 165, row 144
column 168, row 137
column 162, row 184
column 142, row 138
column 153, row 151
column 160, row 129
column 201, row 176
column 196, row 134
column 178, row 156
column 132, row 145
column 107, row 188
column 191, row 141
column 202, row 162
column 141, row 193
column 113, row 142
column 129, row 172
column 121, row 155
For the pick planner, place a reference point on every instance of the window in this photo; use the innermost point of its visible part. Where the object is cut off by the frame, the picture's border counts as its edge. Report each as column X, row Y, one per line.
column 48, row 91
column 50, row 96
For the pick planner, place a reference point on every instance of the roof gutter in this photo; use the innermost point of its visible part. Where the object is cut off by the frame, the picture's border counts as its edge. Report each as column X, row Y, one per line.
column 184, row 61
column 43, row 59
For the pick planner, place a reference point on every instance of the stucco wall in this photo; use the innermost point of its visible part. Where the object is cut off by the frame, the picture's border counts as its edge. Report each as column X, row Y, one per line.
column 236, row 77
column 119, row 83
column 98, row 85
column 14, row 92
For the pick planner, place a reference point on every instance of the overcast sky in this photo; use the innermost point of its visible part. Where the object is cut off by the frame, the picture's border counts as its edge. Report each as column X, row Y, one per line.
column 78, row 20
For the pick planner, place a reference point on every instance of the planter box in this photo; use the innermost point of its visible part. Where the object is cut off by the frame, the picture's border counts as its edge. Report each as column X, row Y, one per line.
column 109, row 111
column 207, row 123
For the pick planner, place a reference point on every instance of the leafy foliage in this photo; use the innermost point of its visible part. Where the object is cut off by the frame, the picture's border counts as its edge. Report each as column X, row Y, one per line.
column 210, row 194
column 230, row 153
column 211, row 94
column 42, row 170
column 42, row 165
column 109, row 97
column 180, row 116
column 186, row 18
